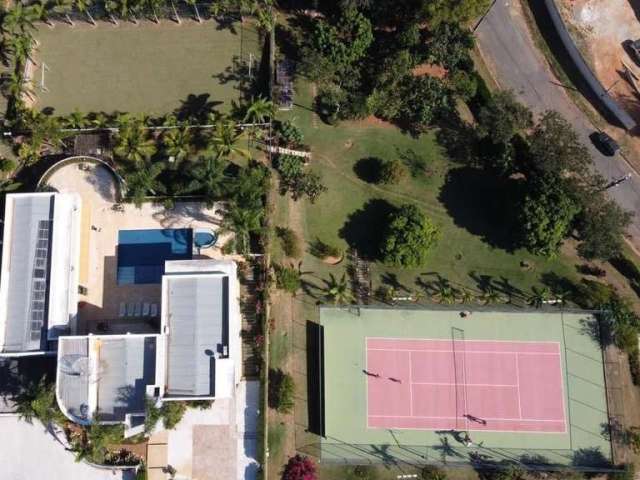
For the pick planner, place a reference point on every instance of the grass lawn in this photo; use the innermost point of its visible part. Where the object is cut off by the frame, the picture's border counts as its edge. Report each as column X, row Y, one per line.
column 474, row 243
column 146, row 68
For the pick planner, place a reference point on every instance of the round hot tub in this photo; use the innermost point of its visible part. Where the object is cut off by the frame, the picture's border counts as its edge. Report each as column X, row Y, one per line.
column 204, row 238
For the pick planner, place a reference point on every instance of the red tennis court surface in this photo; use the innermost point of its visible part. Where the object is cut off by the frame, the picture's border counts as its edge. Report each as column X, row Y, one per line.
column 464, row 385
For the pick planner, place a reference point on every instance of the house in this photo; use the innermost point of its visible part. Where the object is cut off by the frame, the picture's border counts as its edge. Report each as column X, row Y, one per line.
column 41, row 242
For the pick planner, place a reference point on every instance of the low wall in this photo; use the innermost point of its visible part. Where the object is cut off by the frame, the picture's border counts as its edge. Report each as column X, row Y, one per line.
column 597, row 90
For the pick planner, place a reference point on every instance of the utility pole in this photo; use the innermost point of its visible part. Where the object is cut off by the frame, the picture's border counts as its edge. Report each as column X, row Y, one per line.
column 484, row 15
column 616, row 182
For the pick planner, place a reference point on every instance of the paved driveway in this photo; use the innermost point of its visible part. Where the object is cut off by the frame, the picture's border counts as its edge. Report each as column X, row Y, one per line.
column 28, row 452
column 509, row 51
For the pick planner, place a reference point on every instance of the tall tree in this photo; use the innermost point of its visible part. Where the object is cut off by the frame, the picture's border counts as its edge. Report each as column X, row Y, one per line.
column 503, row 117
column 19, row 18
column 63, row 7
column 194, row 4
column 338, row 291
column 225, row 138
column 546, row 216
column 556, row 149
column 84, row 6
column 453, row 11
column 408, row 238
column 177, row 143
column 132, row 142
column 602, row 226
column 144, row 181
column 41, row 11
column 260, row 110
column 208, row 178
column 243, row 222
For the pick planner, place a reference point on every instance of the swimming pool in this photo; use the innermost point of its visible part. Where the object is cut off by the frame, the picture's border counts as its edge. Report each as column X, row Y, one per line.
column 142, row 253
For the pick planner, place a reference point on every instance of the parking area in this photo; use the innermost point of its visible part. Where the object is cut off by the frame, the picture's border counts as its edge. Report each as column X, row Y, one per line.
column 47, row 457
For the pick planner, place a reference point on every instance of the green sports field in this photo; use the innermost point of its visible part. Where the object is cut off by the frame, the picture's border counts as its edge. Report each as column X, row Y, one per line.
column 348, row 436
column 148, row 68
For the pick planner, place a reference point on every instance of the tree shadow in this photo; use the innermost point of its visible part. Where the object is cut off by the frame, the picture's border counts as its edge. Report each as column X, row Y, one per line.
column 483, row 282
column 364, row 228
column 368, row 169
column 196, row 107
column 590, row 458
column 479, row 203
column 391, row 280
column 459, row 141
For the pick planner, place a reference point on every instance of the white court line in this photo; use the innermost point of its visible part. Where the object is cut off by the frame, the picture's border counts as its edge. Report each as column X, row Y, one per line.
column 410, row 387
column 468, row 384
column 451, row 351
column 518, row 378
column 412, row 339
column 485, row 418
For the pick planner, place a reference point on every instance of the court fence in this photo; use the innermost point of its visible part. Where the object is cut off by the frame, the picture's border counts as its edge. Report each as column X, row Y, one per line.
column 451, row 453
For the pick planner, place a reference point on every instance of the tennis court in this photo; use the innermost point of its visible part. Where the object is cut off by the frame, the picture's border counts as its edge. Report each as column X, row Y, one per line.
column 438, row 385
column 464, row 385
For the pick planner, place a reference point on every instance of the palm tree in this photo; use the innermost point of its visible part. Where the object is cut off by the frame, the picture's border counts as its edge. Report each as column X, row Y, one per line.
column 132, row 142
column 177, row 143
column 63, row 7
column 75, row 120
column 443, row 292
column 208, row 178
column 144, row 181
column 19, row 18
column 12, row 85
column 242, row 221
column 224, row 140
column 41, row 12
column 195, row 7
column 466, row 296
column 175, row 13
column 83, row 7
column 539, row 296
column 111, row 6
column 153, row 6
column 338, row 291
column 20, row 47
column 266, row 18
column 259, row 111
column 491, row 295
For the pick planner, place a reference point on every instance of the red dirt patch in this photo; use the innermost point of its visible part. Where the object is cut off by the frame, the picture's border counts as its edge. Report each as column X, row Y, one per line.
column 430, row 70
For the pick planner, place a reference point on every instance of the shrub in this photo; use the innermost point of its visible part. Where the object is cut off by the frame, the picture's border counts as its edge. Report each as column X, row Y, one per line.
column 229, row 248
column 38, row 400
column 408, row 238
column 464, row 85
column 152, row 415
column 392, row 172
column 323, row 250
column 290, row 135
column 200, row 404
column 7, row 165
column 299, row 468
column 281, row 391
column 290, row 242
column 625, row 472
column 287, row 278
column 364, row 472
column 431, row 472
column 172, row 413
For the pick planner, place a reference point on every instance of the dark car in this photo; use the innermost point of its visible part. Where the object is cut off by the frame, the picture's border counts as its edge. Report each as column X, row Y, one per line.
column 633, row 49
column 603, row 142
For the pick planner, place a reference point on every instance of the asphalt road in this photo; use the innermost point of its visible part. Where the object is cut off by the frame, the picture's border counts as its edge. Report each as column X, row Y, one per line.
column 510, row 53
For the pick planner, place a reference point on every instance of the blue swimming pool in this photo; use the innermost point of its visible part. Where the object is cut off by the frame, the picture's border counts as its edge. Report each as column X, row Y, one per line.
column 142, row 253
column 204, row 238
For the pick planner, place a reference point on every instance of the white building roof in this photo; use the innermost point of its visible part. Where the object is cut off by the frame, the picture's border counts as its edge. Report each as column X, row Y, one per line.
column 39, row 274
column 201, row 324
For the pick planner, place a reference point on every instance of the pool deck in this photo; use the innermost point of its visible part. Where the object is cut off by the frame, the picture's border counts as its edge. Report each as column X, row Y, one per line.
column 100, row 227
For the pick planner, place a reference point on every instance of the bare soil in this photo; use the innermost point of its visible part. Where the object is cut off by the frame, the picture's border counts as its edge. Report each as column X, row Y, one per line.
column 600, row 28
